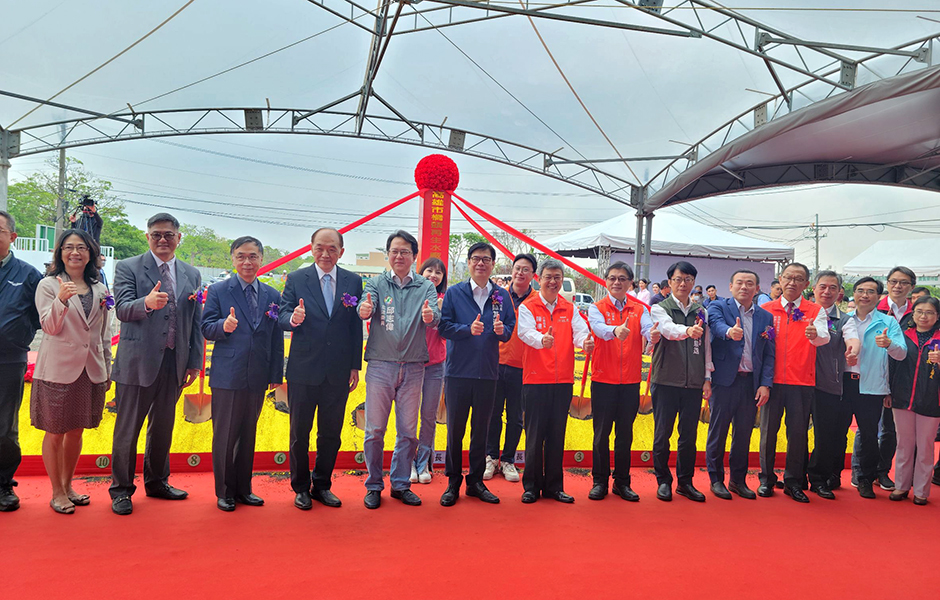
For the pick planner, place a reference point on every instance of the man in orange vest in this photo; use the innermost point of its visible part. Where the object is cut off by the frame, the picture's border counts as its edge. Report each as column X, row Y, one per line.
column 551, row 328
column 622, row 326
column 509, row 384
column 799, row 327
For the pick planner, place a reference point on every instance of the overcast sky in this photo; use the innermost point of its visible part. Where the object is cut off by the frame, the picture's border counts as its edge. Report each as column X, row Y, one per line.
column 644, row 90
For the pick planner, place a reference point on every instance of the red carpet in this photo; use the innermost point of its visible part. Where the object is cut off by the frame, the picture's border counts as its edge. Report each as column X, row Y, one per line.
column 606, row 549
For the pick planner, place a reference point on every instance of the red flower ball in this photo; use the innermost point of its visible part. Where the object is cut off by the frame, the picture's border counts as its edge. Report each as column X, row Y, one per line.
column 437, row 172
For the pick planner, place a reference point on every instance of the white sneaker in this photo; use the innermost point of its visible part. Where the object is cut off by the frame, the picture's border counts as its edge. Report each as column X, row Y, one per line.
column 424, row 476
column 509, row 471
column 414, row 474
column 491, row 464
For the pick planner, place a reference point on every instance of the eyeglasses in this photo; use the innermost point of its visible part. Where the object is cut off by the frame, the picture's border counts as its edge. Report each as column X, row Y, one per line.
column 481, row 259
column 166, row 235
column 523, row 270
column 550, row 278
column 866, row 292
column 248, row 257
column 925, row 313
column 81, row 248
column 900, row 282
column 5, row 231
column 686, row 280
column 618, row 279
column 794, row 279
column 401, row 253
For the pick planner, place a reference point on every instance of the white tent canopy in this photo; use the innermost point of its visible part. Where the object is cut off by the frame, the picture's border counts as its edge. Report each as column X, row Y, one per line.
column 672, row 235
column 882, row 256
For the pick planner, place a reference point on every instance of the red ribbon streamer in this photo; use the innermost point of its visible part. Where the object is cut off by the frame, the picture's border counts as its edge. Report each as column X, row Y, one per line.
column 485, row 234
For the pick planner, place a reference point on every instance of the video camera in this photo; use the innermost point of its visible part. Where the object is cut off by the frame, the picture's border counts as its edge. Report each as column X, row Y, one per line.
column 87, row 203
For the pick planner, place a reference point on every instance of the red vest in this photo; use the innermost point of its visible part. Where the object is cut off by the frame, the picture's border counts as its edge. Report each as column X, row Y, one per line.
column 616, row 361
column 794, row 355
column 555, row 364
column 510, row 353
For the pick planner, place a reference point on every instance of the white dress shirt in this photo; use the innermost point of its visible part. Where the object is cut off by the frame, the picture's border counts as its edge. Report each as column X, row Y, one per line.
column 480, row 294
column 398, row 281
column 897, row 311
column 605, row 332
column 674, row 332
column 525, row 324
column 172, row 264
column 821, row 322
column 747, row 324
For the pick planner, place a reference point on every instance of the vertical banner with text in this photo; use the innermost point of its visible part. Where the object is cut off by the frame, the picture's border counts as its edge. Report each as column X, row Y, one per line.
column 434, row 234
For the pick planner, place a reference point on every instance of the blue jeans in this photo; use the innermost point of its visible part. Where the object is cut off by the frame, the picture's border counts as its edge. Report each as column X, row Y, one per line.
column 387, row 382
column 430, row 400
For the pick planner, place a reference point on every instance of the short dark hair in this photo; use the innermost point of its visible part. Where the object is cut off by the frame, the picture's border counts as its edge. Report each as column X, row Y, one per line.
column 748, row 271
column 334, row 230
column 246, row 239
column 435, row 263
column 799, row 265
column 712, row 287
column 774, row 282
column 928, row 300
column 620, row 266
column 57, row 266
column 905, row 271
column 683, row 266
column 528, row 257
column 163, row 218
column 664, row 284
column 878, row 285
column 482, row 246
column 11, row 222
column 401, row 233
column 920, row 290
column 827, row 273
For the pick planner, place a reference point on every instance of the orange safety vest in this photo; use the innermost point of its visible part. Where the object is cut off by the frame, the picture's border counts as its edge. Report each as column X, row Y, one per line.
column 794, row 355
column 616, row 361
column 510, row 353
column 555, row 364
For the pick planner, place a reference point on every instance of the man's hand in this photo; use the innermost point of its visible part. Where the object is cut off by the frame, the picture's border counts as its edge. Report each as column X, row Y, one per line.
column 427, row 315
column 707, row 390
column 621, row 331
column 191, row 375
column 548, row 340
column 498, row 327
column 67, row 289
column 851, row 358
column 156, row 299
column 588, row 345
column 655, row 333
column 762, row 396
column 366, row 307
column 736, row 333
column 300, row 313
column 933, row 356
column 882, row 340
column 810, row 332
column 231, row 323
column 887, row 401
column 353, row 379
column 476, row 328
column 696, row 331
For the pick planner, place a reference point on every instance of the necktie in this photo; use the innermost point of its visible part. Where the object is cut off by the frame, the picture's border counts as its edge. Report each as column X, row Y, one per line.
column 166, row 284
column 328, row 293
column 790, row 308
column 252, row 303
column 620, row 304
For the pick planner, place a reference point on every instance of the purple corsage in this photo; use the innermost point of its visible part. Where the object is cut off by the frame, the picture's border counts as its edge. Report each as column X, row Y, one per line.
column 350, row 301
column 199, row 296
column 769, row 333
column 272, row 311
column 830, row 325
column 702, row 316
column 107, row 302
column 497, row 300
column 796, row 316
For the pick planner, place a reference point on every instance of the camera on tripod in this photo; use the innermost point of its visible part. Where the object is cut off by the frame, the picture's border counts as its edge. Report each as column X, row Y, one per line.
column 87, row 204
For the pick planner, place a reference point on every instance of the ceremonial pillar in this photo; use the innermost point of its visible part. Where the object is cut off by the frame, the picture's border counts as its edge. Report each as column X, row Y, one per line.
column 436, row 177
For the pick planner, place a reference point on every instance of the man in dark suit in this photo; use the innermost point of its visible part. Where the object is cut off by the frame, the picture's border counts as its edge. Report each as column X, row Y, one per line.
column 160, row 354
column 743, row 359
column 324, row 362
column 241, row 317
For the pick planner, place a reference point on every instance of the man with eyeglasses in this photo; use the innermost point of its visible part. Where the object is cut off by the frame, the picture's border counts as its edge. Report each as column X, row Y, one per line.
column 159, row 355
column 475, row 317
column 622, row 326
column 681, row 379
column 867, row 395
column 799, row 327
column 400, row 305
column 509, row 383
column 19, row 321
column 324, row 364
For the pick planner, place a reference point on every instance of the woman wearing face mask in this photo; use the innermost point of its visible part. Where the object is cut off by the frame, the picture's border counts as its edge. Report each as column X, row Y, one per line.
column 434, row 270
column 915, row 402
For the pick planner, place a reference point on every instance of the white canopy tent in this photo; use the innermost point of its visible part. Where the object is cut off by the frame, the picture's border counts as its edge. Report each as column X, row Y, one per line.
column 882, row 256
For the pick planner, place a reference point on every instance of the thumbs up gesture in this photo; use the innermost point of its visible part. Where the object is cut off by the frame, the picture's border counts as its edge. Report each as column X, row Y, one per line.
column 366, row 307
column 156, row 299
column 476, row 328
column 933, row 356
column 548, row 340
column 736, row 333
column 230, row 321
column 427, row 315
column 621, row 331
column 67, row 289
column 655, row 333
column 498, row 327
column 300, row 313
column 696, row 331
column 851, row 357
column 810, row 332
column 882, row 340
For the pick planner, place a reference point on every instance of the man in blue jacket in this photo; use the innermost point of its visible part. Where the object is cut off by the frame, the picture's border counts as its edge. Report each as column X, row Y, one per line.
column 247, row 358
column 743, row 360
column 18, row 324
column 476, row 316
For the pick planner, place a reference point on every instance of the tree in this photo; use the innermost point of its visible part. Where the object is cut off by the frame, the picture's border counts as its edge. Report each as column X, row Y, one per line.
column 201, row 246
column 459, row 244
column 126, row 239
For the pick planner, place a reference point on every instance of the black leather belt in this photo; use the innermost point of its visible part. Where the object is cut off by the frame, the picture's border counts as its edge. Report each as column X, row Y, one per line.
column 745, row 373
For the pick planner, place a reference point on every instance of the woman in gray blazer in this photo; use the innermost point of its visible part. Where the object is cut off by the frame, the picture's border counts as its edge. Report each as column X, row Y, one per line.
column 73, row 369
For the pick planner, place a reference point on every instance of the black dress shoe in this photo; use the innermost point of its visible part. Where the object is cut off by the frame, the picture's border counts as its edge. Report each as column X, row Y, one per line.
column 865, row 489
column 626, row 493
column 165, row 492
column 302, row 501
column 450, row 495
column 690, row 492
column 373, row 499
column 122, row 505
column 664, row 492
column 780, row 485
column 478, row 490
column 742, row 490
column 560, row 496
column 834, row 483
column 226, row 504
column 326, row 498
column 407, row 497
column 8, row 500
column 823, row 491
column 765, row 490
column 796, row 493
column 720, row 491
column 598, row 492
column 529, row 497
column 249, row 500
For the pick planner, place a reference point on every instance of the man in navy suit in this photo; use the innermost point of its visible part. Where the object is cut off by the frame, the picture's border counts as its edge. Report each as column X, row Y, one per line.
column 324, row 362
column 247, row 358
column 475, row 317
column 743, row 361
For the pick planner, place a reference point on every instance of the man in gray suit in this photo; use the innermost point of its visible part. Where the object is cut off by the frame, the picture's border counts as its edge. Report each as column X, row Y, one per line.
column 159, row 354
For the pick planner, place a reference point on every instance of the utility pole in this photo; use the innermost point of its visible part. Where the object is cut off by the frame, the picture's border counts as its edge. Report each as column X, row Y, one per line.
column 817, row 242
column 60, row 201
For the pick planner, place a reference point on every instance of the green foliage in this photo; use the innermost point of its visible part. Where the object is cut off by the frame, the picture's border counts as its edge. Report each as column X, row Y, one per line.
column 126, row 239
column 203, row 247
